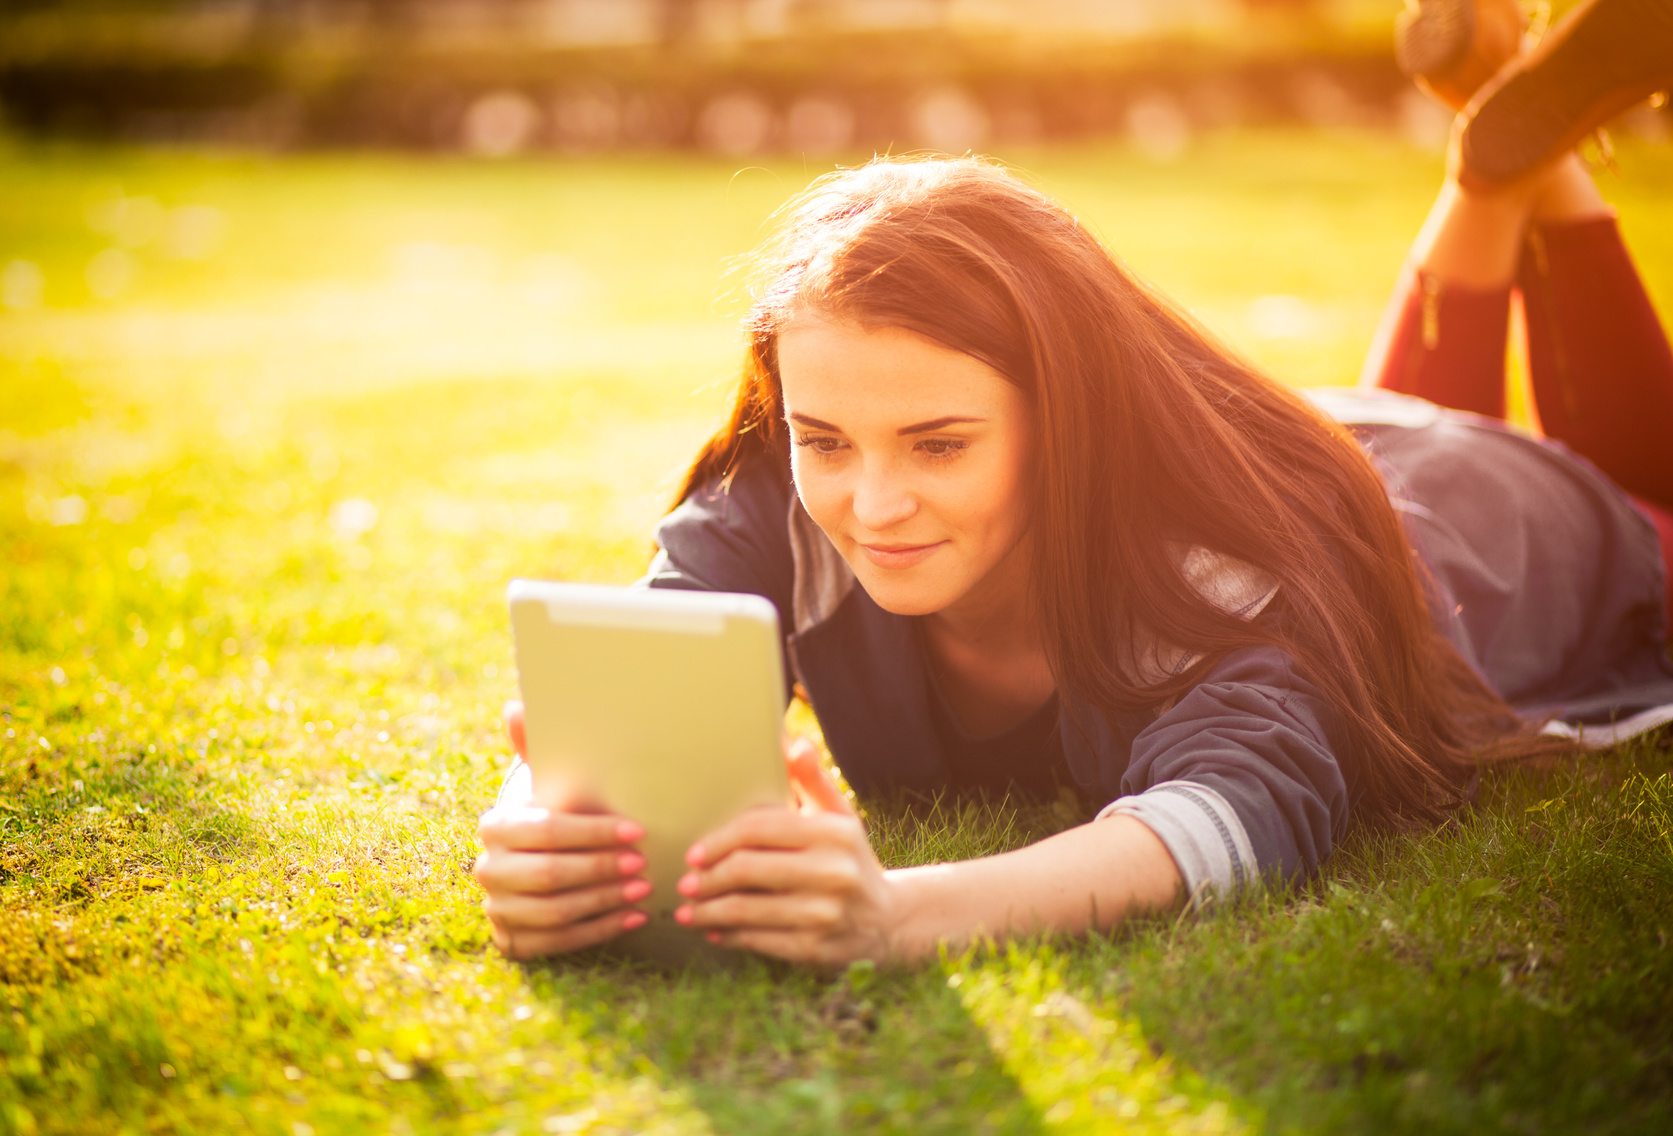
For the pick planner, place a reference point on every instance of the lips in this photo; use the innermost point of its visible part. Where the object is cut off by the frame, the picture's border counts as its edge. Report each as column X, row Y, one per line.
column 900, row 555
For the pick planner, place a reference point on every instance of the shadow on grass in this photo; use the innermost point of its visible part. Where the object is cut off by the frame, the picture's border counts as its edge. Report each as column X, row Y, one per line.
column 765, row 1047
column 762, row 1046
column 1008, row 1039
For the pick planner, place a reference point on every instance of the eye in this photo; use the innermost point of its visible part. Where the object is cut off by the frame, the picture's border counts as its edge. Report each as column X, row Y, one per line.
column 822, row 444
column 942, row 447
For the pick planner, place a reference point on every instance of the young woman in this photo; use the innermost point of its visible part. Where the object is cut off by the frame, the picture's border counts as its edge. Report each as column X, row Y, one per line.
column 1026, row 525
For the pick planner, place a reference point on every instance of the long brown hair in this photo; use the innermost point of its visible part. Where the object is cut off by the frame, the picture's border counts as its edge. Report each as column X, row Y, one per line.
column 1150, row 433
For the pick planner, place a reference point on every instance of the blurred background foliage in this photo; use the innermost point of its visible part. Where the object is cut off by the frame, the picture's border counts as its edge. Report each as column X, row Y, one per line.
column 734, row 77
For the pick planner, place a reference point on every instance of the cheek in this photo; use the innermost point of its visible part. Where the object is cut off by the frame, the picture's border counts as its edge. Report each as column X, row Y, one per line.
column 994, row 503
column 1019, row 492
column 820, row 489
column 1016, row 486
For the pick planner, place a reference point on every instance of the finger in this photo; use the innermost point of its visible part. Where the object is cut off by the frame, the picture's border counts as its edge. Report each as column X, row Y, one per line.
column 550, row 912
column 530, row 828
column 813, row 869
column 514, row 726
column 576, row 937
column 813, row 785
column 547, row 873
column 792, row 946
column 771, row 827
column 805, row 911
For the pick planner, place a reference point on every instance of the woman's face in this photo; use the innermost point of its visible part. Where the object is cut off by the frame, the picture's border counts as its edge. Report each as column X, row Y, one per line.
column 913, row 459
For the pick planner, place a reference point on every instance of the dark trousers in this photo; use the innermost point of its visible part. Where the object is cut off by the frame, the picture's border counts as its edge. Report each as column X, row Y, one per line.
column 1598, row 358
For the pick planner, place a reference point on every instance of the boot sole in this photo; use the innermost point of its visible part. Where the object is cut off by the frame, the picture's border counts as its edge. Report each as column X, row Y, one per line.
column 1613, row 56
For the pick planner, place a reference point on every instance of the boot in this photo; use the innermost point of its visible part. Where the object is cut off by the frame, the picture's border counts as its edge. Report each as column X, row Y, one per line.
column 1603, row 58
column 1450, row 48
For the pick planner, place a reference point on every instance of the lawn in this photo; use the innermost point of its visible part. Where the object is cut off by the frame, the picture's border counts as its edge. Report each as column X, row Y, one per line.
column 274, row 434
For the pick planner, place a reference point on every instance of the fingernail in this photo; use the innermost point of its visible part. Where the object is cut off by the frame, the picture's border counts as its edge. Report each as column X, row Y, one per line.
column 694, row 856
column 713, row 936
column 682, row 914
column 635, row 890
column 630, row 863
column 687, row 884
column 630, row 832
column 634, row 919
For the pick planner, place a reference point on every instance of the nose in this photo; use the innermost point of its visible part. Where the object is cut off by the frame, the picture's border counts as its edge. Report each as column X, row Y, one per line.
column 882, row 499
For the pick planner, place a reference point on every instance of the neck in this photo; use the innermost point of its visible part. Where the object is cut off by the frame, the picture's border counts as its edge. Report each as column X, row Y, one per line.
column 995, row 615
column 987, row 650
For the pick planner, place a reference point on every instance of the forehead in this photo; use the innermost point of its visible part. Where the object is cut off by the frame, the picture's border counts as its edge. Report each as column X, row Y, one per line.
column 833, row 369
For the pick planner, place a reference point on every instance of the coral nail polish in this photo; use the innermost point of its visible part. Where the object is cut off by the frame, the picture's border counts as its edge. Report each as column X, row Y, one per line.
column 630, row 863
column 635, row 890
column 687, row 885
column 630, row 832
column 634, row 919
column 694, row 856
column 682, row 914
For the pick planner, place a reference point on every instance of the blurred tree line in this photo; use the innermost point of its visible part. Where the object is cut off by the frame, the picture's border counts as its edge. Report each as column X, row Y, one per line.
column 732, row 76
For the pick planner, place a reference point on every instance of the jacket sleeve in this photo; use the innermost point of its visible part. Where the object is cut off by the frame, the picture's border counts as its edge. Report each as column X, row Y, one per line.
column 1242, row 778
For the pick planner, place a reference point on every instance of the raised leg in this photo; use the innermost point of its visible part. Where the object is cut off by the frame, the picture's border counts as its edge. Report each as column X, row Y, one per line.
column 1598, row 356
column 1599, row 360
column 1443, row 334
column 1601, row 369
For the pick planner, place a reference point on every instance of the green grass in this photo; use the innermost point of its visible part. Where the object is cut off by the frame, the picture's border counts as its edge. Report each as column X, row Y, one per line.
column 246, row 734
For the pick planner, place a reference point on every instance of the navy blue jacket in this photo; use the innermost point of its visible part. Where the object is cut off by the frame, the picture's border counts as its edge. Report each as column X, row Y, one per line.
column 1546, row 577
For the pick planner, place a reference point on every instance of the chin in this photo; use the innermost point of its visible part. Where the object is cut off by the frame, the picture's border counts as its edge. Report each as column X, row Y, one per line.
column 906, row 597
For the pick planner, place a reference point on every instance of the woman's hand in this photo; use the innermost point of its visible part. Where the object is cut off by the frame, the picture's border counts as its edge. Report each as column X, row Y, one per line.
column 556, row 880
column 801, row 885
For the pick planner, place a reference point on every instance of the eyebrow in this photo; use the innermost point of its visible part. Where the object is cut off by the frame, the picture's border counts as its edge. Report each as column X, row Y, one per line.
column 915, row 428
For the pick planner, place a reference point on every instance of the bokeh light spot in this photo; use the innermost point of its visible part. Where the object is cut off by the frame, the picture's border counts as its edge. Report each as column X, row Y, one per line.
column 353, row 516
column 110, row 272
column 22, row 285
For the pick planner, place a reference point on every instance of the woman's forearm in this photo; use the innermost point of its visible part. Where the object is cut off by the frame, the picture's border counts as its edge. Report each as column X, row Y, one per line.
column 1089, row 877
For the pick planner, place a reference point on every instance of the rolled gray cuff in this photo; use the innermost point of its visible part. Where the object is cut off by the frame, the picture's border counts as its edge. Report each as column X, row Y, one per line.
column 1200, row 831
column 1607, row 736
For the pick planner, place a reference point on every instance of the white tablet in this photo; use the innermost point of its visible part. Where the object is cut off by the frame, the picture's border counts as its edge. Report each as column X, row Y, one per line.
column 664, row 706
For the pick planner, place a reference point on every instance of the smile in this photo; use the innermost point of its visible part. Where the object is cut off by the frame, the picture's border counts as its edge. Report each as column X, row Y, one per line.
column 900, row 555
